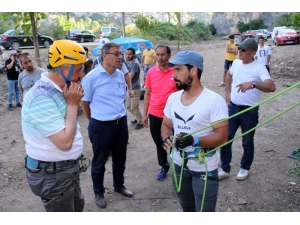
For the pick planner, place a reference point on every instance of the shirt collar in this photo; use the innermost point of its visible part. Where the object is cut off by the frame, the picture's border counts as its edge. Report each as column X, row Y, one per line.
column 47, row 80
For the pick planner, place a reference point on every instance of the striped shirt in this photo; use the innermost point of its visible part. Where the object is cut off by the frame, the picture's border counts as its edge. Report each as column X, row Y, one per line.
column 43, row 115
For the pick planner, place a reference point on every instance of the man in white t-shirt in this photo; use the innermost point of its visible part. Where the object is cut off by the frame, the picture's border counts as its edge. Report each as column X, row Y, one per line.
column 244, row 82
column 187, row 111
column 263, row 53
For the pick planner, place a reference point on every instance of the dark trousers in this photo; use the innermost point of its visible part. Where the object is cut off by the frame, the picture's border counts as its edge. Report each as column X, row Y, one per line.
column 106, row 137
column 192, row 190
column 60, row 192
column 155, row 126
column 246, row 121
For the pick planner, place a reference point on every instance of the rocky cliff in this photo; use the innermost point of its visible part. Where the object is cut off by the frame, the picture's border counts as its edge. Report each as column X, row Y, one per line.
column 226, row 22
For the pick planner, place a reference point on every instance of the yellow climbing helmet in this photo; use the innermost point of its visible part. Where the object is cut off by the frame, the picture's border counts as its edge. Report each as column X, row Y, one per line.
column 66, row 52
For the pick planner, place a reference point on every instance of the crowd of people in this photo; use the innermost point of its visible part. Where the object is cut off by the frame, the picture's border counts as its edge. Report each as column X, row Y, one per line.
column 105, row 88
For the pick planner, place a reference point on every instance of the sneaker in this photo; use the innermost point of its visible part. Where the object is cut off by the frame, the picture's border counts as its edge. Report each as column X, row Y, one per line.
column 134, row 122
column 138, row 126
column 19, row 105
column 222, row 84
column 222, row 174
column 243, row 174
column 10, row 107
column 162, row 174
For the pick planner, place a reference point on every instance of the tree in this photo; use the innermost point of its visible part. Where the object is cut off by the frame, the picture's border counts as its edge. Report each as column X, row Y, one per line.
column 27, row 21
column 285, row 20
column 296, row 20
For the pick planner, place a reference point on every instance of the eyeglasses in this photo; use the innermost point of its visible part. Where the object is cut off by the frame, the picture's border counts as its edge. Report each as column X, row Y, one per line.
column 117, row 54
column 243, row 50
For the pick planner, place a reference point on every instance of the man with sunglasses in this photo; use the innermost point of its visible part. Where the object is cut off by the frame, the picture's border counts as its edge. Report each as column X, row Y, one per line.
column 13, row 70
column 104, row 106
column 244, row 82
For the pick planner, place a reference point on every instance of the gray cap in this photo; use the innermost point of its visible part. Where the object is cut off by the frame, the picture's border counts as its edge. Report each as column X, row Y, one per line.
column 12, row 52
column 187, row 57
column 249, row 43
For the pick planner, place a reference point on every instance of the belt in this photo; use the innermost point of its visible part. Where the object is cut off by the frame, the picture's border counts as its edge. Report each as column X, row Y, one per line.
column 242, row 107
column 117, row 121
column 35, row 164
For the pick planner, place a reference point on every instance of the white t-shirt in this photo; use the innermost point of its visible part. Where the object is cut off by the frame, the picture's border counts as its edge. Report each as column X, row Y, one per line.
column 262, row 54
column 208, row 108
column 240, row 72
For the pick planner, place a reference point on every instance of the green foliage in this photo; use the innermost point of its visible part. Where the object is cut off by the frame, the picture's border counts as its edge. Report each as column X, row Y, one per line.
column 199, row 30
column 252, row 25
column 132, row 30
column 142, row 22
column 212, row 29
column 6, row 24
column 284, row 20
column 52, row 28
column 296, row 20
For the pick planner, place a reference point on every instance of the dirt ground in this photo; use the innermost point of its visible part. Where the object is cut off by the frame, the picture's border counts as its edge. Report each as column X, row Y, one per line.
column 268, row 188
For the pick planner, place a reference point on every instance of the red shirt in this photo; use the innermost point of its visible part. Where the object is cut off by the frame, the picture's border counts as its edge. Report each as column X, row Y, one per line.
column 161, row 85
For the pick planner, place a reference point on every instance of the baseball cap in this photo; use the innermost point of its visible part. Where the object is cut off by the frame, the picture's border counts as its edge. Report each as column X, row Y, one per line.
column 249, row 43
column 13, row 52
column 187, row 57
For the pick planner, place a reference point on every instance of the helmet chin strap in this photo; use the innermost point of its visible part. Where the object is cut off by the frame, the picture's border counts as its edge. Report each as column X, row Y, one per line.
column 67, row 80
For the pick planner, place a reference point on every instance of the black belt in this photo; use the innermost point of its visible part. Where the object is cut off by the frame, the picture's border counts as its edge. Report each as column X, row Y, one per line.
column 242, row 107
column 33, row 164
column 117, row 121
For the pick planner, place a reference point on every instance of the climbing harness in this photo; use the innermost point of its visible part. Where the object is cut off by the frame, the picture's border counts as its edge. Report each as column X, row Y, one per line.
column 294, row 172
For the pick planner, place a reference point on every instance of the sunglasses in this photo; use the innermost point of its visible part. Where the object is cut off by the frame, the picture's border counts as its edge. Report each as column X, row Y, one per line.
column 243, row 50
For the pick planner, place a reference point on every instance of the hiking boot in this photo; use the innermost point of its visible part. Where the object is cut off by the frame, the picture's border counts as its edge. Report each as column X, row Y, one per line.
column 243, row 174
column 222, row 84
column 138, row 126
column 19, row 105
column 134, row 122
column 222, row 174
column 10, row 107
column 162, row 174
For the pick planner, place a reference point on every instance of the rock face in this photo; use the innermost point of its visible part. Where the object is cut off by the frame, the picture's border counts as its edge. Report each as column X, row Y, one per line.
column 226, row 22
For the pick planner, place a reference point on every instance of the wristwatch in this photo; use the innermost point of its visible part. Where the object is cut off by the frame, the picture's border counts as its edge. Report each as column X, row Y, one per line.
column 253, row 84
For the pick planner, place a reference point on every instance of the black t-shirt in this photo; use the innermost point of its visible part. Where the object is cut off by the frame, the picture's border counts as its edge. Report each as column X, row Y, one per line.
column 13, row 73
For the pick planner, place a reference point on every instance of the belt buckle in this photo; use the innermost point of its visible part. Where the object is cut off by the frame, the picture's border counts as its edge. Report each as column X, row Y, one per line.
column 203, row 177
column 118, row 121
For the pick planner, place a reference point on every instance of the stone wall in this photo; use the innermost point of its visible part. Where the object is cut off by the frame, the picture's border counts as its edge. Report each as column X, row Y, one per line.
column 226, row 22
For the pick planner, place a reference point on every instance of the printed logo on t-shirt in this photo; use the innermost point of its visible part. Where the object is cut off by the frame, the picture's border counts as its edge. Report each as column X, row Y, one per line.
column 262, row 53
column 180, row 118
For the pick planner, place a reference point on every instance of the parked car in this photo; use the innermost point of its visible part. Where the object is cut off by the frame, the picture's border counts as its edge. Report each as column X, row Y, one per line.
column 13, row 39
column 107, row 31
column 275, row 31
column 81, row 36
column 268, row 33
column 286, row 36
column 260, row 33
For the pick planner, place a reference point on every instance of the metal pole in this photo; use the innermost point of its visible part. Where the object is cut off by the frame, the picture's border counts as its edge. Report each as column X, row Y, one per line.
column 68, row 30
column 123, row 24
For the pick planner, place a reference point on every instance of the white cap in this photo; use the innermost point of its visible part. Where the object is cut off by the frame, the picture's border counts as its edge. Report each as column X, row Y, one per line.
column 12, row 52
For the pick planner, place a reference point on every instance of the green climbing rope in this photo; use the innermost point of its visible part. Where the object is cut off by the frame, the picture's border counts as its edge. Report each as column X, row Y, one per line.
column 295, row 172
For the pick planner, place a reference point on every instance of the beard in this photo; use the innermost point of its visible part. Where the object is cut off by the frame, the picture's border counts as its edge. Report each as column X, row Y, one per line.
column 186, row 85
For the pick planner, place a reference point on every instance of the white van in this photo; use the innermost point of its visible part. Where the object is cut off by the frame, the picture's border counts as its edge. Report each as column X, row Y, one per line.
column 106, row 31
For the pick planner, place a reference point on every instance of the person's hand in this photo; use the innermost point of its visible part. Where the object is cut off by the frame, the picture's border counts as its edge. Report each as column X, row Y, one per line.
column 73, row 94
column 182, row 142
column 131, row 94
column 12, row 58
column 145, row 121
column 167, row 143
column 244, row 86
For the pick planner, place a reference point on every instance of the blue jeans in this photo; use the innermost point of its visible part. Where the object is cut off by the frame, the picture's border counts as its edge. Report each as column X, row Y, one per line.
column 192, row 188
column 146, row 68
column 13, row 89
column 246, row 121
column 106, row 137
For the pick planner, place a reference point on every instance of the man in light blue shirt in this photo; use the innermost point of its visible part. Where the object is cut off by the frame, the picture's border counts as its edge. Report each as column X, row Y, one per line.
column 104, row 106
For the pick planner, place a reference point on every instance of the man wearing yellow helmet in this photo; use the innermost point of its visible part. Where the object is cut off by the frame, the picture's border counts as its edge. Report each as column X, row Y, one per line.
column 51, row 131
